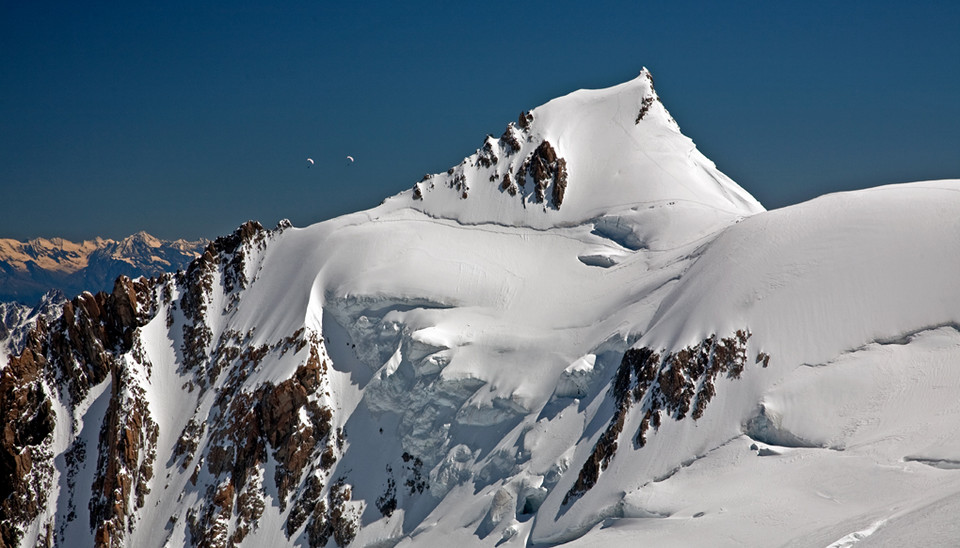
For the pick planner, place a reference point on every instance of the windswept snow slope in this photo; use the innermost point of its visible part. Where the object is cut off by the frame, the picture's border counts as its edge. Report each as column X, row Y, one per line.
column 621, row 150
column 624, row 349
column 853, row 296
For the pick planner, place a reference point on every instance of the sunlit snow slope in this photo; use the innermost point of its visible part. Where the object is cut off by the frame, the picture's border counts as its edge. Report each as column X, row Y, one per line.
column 584, row 333
column 851, row 428
column 580, row 157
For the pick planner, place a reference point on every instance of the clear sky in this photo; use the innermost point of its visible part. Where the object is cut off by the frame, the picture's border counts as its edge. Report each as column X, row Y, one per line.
column 185, row 119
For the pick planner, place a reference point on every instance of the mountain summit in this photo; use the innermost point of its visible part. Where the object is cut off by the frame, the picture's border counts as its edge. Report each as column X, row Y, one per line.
column 579, row 157
column 584, row 334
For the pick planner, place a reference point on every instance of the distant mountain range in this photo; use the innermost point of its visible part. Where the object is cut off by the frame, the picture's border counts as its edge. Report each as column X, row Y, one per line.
column 30, row 269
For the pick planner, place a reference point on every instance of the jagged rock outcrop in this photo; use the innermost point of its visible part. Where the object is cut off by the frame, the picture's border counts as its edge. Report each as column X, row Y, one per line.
column 544, row 167
column 649, row 99
column 664, row 385
column 60, row 361
column 17, row 320
column 282, row 432
column 25, row 456
column 96, row 338
column 498, row 162
column 125, row 462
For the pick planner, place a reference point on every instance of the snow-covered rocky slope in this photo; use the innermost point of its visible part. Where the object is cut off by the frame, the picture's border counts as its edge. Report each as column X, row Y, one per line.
column 17, row 320
column 584, row 333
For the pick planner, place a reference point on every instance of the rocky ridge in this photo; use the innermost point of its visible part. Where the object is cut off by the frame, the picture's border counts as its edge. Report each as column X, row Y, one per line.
column 96, row 340
column 540, row 168
column 16, row 321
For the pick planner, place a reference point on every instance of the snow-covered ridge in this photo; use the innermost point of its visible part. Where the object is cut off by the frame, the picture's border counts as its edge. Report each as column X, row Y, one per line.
column 578, row 157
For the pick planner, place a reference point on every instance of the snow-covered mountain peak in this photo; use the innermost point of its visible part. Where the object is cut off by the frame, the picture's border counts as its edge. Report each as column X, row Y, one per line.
column 580, row 157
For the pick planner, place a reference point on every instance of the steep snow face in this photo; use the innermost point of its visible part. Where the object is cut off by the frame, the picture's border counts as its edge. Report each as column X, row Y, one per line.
column 579, row 157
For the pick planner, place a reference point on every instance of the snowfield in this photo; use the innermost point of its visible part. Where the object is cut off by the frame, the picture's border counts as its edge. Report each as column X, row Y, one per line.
column 476, row 334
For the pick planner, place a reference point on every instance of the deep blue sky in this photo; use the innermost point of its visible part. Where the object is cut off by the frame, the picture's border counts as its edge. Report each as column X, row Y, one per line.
column 187, row 118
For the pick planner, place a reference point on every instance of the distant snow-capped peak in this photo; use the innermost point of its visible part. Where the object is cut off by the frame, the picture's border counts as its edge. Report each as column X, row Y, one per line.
column 36, row 266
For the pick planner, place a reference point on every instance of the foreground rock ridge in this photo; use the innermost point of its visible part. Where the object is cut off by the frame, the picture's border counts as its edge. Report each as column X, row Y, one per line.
column 29, row 269
column 583, row 334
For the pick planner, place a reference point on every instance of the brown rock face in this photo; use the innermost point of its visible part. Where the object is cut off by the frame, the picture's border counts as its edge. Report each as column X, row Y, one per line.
column 525, row 119
column 510, row 139
column 128, row 440
column 95, row 328
column 647, row 100
column 544, row 167
column 223, row 450
column 663, row 386
column 285, row 420
column 28, row 421
column 75, row 353
column 197, row 284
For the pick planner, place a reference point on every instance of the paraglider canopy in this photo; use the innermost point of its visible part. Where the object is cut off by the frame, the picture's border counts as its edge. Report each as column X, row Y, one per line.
column 309, row 162
column 350, row 158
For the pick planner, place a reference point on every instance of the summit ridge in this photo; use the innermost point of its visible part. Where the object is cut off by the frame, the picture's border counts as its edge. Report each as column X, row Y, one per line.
column 577, row 157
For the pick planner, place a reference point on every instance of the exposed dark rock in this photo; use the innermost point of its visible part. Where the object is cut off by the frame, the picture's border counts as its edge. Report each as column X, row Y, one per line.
column 187, row 443
column 210, row 528
column 415, row 481
column 97, row 337
column 75, row 352
column 248, row 425
column 28, row 422
column 648, row 100
column 559, row 182
column 128, row 436
column 326, row 517
column 486, row 156
column 197, row 285
column 525, row 119
column 645, row 105
column 387, row 502
column 544, row 166
column 509, row 138
column 668, row 385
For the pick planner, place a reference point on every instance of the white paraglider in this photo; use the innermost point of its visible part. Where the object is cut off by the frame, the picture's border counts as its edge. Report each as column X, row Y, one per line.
column 309, row 162
column 350, row 158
